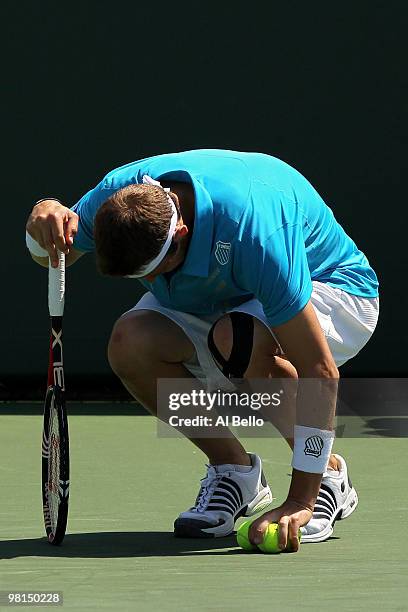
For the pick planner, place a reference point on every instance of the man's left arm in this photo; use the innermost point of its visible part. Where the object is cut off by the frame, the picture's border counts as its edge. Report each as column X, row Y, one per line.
column 277, row 273
column 306, row 348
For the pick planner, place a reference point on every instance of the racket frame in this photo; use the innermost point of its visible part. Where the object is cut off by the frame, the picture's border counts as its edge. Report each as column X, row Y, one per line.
column 54, row 407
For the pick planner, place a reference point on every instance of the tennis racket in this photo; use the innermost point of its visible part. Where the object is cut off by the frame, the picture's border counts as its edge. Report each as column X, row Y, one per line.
column 55, row 442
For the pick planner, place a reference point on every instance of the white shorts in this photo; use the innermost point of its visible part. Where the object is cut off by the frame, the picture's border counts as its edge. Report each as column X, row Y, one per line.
column 347, row 321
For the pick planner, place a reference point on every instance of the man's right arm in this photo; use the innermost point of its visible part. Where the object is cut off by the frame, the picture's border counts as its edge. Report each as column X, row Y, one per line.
column 53, row 226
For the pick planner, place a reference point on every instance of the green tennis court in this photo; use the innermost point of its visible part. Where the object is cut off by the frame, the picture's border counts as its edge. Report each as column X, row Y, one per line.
column 127, row 488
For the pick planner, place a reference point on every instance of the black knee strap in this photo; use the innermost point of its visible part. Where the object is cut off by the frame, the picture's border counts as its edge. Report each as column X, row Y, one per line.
column 242, row 342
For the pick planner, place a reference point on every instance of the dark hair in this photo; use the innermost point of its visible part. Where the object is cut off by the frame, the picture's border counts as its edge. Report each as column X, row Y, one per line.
column 130, row 228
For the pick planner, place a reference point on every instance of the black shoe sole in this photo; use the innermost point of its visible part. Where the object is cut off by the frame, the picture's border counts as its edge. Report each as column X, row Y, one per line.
column 188, row 528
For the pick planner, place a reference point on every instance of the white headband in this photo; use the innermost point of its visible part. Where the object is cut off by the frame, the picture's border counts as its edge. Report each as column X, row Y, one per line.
column 149, row 267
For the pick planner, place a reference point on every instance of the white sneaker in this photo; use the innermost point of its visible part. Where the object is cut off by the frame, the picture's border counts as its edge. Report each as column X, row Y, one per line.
column 225, row 495
column 337, row 499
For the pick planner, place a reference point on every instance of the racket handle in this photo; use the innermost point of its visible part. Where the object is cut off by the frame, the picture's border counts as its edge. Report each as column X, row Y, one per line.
column 56, row 287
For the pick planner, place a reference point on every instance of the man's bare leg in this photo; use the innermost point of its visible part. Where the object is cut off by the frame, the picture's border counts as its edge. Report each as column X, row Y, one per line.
column 145, row 346
column 266, row 362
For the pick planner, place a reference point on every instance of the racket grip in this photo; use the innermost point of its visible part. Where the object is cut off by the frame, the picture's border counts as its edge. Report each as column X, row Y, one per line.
column 56, row 287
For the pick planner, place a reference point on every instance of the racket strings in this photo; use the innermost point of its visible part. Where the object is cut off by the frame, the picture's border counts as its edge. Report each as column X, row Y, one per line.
column 54, row 466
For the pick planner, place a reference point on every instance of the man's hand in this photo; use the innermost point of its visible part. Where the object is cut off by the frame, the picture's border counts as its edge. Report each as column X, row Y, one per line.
column 54, row 227
column 289, row 516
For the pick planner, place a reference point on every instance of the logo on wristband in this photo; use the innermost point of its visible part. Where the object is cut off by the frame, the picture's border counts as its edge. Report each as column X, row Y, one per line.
column 313, row 446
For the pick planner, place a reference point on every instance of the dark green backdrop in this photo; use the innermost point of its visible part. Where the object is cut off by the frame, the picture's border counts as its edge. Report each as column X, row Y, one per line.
column 98, row 84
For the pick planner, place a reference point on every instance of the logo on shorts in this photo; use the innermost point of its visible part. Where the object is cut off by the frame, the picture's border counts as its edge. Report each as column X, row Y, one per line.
column 313, row 446
column 222, row 252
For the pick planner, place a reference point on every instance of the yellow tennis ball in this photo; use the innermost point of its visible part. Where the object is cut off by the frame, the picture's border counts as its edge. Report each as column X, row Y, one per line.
column 243, row 538
column 270, row 540
column 269, row 543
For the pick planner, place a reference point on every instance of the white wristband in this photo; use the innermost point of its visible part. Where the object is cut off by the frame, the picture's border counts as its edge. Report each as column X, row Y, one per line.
column 312, row 449
column 47, row 199
column 34, row 247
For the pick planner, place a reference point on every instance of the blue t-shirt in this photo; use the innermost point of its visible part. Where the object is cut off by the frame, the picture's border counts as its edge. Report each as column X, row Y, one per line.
column 261, row 230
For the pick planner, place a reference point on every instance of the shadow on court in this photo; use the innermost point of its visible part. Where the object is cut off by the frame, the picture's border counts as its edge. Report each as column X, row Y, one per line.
column 387, row 427
column 120, row 544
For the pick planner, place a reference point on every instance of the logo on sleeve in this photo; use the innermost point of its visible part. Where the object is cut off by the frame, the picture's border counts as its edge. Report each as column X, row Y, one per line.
column 313, row 446
column 222, row 252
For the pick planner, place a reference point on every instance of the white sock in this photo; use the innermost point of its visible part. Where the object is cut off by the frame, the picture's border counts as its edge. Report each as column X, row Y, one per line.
column 332, row 472
column 232, row 467
column 242, row 468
